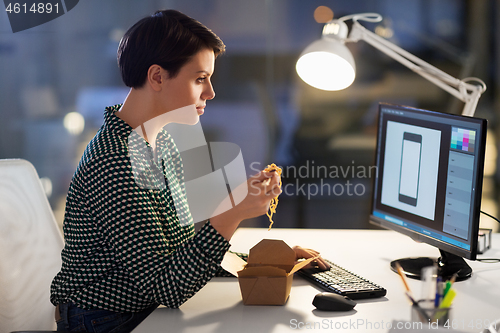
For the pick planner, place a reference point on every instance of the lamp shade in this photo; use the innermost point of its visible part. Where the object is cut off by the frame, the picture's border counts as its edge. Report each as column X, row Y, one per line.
column 327, row 64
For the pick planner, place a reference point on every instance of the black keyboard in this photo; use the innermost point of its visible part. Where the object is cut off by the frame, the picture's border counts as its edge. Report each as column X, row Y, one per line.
column 341, row 281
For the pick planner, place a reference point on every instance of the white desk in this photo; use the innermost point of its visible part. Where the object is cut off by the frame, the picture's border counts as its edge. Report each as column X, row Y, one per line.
column 218, row 307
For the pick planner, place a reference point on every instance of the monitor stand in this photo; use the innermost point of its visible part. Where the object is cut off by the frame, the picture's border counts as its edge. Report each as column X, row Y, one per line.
column 448, row 264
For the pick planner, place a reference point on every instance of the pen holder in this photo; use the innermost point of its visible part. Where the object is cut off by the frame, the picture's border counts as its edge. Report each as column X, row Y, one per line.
column 428, row 314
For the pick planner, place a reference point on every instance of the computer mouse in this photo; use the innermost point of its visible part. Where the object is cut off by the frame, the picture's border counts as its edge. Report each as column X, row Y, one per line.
column 333, row 302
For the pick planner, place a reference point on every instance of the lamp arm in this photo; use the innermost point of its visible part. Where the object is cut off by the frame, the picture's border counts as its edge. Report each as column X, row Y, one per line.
column 466, row 92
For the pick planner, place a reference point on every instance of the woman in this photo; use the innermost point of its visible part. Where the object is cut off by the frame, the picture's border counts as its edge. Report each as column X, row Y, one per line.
column 125, row 250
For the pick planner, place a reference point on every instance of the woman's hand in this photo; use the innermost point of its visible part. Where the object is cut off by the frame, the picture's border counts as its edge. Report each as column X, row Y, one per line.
column 262, row 187
column 301, row 252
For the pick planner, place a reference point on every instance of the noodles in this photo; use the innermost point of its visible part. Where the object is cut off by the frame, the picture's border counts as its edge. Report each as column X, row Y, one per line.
column 274, row 201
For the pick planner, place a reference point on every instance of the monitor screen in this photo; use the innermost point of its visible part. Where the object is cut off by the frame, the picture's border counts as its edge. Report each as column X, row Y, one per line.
column 429, row 180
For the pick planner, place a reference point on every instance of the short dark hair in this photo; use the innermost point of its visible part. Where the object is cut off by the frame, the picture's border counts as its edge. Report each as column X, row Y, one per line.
column 167, row 38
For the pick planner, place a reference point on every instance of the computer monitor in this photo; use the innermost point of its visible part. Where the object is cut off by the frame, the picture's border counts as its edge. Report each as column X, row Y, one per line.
column 428, row 184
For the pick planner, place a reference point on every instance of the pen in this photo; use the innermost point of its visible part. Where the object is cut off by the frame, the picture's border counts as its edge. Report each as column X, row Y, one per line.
column 446, row 288
column 448, row 299
column 403, row 277
column 449, row 284
column 439, row 291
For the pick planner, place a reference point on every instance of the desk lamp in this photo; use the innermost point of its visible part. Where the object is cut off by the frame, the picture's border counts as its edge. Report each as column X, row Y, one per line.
column 328, row 64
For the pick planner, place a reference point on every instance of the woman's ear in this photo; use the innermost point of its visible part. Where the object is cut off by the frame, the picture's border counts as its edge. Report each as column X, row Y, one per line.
column 154, row 77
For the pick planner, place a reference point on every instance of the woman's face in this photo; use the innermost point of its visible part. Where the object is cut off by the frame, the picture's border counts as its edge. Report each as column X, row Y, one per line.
column 191, row 87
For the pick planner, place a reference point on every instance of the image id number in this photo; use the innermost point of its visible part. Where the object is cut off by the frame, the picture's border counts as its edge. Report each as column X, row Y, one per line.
column 36, row 8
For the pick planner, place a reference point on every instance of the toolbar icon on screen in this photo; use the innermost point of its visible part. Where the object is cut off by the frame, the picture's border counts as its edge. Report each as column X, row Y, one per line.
column 463, row 139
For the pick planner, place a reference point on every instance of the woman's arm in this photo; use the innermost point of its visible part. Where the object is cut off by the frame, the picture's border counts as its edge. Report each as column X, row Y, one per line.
column 162, row 258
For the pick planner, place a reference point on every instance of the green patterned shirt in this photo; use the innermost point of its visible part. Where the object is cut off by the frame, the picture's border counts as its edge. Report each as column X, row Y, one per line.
column 125, row 248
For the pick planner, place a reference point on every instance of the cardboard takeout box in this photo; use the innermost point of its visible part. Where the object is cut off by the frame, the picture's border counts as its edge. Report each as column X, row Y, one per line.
column 267, row 277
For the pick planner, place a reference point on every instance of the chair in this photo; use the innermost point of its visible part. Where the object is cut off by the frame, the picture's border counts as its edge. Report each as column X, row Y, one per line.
column 30, row 250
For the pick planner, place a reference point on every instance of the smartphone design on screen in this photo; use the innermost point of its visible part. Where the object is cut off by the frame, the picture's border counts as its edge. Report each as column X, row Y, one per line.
column 410, row 168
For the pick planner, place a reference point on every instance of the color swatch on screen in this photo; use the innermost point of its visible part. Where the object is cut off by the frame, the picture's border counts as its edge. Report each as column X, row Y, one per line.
column 463, row 139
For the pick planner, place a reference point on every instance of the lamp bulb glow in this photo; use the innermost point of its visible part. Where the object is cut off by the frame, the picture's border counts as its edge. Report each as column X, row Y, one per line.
column 327, row 65
column 325, row 71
